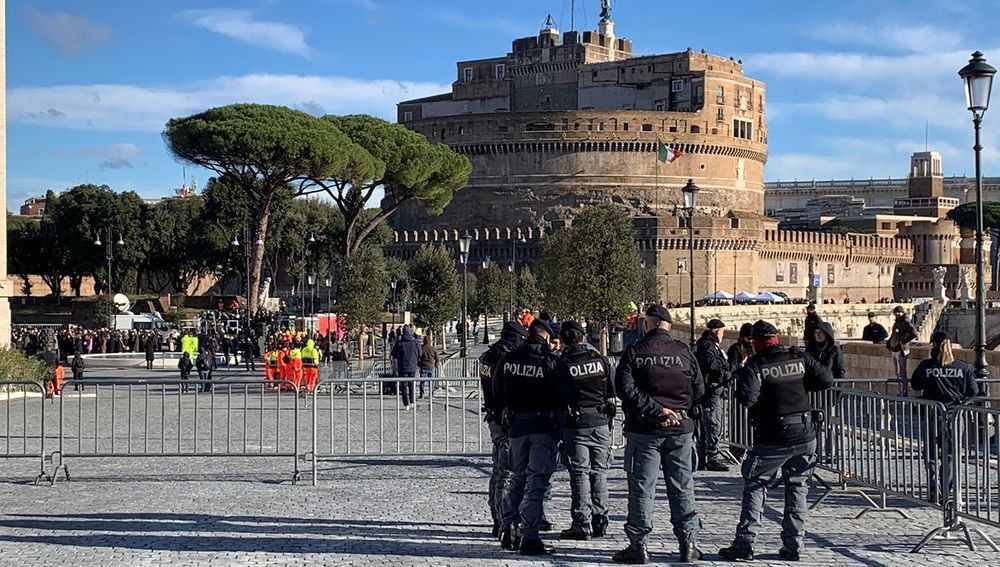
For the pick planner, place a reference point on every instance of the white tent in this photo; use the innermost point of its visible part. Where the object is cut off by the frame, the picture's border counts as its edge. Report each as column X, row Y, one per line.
column 768, row 297
column 718, row 295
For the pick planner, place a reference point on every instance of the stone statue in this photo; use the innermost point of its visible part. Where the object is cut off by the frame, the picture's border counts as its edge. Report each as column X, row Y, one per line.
column 964, row 287
column 605, row 11
column 939, row 290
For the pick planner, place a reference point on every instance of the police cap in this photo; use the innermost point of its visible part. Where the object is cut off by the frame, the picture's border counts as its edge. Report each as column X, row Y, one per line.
column 543, row 325
column 764, row 329
column 556, row 329
column 572, row 326
column 660, row 312
column 716, row 324
column 938, row 337
column 514, row 327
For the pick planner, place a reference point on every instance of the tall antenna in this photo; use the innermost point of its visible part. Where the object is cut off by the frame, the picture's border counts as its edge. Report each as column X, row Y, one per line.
column 572, row 15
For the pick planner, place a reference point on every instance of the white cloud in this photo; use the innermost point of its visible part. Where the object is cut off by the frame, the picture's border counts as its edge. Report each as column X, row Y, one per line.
column 69, row 34
column 902, row 111
column 138, row 108
column 916, row 39
column 241, row 25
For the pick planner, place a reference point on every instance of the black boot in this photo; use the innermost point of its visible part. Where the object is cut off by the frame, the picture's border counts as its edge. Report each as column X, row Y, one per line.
column 599, row 526
column 634, row 554
column 532, row 546
column 788, row 554
column 575, row 533
column 690, row 553
column 507, row 541
column 496, row 529
column 545, row 525
column 734, row 553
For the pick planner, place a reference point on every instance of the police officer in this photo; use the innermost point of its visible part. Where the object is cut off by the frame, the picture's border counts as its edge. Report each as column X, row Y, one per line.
column 715, row 368
column 658, row 381
column 587, row 434
column 528, row 384
column 942, row 378
column 774, row 384
column 511, row 337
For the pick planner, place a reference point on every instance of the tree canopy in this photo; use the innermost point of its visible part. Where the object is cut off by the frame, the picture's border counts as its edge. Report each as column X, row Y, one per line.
column 965, row 215
column 405, row 165
column 437, row 292
column 267, row 153
column 493, row 289
column 591, row 269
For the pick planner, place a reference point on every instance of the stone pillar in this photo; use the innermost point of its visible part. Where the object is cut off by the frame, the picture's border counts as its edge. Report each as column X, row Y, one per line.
column 5, row 283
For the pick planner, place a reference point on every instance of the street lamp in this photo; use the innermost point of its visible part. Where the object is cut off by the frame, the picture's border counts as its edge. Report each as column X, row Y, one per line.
column 246, row 257
column 312, row 289
column 328, row 282
column 978, row 78
column 690, row 202
column 464, row 243
column 109, row 254
column 513, row 282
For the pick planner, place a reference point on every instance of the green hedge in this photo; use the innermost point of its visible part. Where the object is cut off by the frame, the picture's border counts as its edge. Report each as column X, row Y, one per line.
column 15, row 367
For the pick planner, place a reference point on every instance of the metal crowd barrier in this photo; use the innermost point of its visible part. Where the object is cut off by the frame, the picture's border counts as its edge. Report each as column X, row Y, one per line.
column 22, row 416
column 176, row 418
column 448, row 420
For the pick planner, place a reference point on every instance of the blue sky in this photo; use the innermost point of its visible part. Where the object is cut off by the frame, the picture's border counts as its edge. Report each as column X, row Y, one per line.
column 851, row 84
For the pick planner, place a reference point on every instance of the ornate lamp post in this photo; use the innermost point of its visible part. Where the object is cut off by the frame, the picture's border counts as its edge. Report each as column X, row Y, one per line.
column 978, row 78
column 109, row 254
column 690, row 202
column 464, row 243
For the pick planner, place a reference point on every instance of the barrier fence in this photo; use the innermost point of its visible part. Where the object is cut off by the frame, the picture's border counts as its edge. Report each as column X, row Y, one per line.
column 22, row 416
column 947, row 458
column 176, row 418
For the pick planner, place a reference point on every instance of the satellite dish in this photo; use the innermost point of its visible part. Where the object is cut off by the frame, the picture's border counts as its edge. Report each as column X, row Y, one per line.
column 121, row 302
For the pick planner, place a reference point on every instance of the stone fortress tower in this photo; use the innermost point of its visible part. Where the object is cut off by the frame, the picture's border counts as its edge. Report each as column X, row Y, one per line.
column 568, row 119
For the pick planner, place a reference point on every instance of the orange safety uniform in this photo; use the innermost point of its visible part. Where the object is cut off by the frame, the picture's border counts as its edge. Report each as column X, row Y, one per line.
column 271, row 366
column 58, row 375
column 284, row 367
column 296, row 357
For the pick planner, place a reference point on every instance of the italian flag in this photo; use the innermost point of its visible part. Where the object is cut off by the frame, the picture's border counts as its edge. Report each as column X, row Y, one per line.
column 665, row 153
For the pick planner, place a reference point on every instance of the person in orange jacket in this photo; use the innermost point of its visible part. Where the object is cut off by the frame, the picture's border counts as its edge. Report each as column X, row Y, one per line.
column 296, row 356
column 310, row 365
column 55, row 384
column 271, row 366
column 284, row 367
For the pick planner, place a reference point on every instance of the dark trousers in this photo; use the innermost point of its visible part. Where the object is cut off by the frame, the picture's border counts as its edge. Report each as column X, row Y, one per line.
column 406, row 388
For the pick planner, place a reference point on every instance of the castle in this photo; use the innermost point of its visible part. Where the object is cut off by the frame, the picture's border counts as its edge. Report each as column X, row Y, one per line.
column 567, row 119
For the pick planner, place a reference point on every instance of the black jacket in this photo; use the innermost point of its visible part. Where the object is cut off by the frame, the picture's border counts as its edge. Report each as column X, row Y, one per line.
column 735, row 355
column 492, row 405
column 712, row 362
column 811, row 322
column 828, row 354
column 902, row 334
column 874, row 333
column 527, row 383
column 951, row 384
column 653, row 371
column 593, row 389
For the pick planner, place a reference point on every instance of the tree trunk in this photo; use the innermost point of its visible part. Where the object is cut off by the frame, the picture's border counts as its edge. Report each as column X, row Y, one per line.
column 604, row 341
column 257, row 262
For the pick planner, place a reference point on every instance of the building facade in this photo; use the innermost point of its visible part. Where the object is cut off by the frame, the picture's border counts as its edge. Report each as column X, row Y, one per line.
column 569, row 119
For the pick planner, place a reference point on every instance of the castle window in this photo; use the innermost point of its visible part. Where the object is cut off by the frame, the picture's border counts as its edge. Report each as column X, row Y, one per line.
column 672, row 129
column 442, row 133
column 659, row 106
column 461, row 130
column 720, row 95
column 467, row 74
column 407, row 116
column 625, row 126
column 742, row 128
column 830, row 271
column 695, row 130
column 677, row 86
column 647, row 127
column 600, row 126
column 720, row 115
column 501, row 69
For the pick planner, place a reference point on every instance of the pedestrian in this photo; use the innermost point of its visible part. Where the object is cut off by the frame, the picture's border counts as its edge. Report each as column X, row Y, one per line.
column 511, row 337
column 874, row 332
column 899, row 345
column 586, row 436
column 942, row 378
column 406, row 353
column 428, row 363
column 249, row 355
column 185, row 365
column 202, row 366
column 56, row 381
column 528, row 383
column 741, row 350
column 310, row 365
column 150, row 352
column 658, row 382
column 812, row 319
column 775, row 386
column 77, row 366
column 715, row 369
column 826, row 351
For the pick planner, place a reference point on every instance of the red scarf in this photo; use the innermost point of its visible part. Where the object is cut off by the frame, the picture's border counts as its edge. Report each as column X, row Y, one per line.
column 762, row 343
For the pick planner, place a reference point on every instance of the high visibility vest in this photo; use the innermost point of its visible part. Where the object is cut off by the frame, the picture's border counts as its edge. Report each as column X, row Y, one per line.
column 310, row 356
column 272, row 359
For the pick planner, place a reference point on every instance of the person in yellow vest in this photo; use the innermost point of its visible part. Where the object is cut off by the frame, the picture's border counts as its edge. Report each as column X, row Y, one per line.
column 271, row 366
column 310, row 365
column 296, row 368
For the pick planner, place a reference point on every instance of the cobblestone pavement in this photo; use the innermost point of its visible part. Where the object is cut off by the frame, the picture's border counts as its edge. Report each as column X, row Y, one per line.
column 377, row 511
